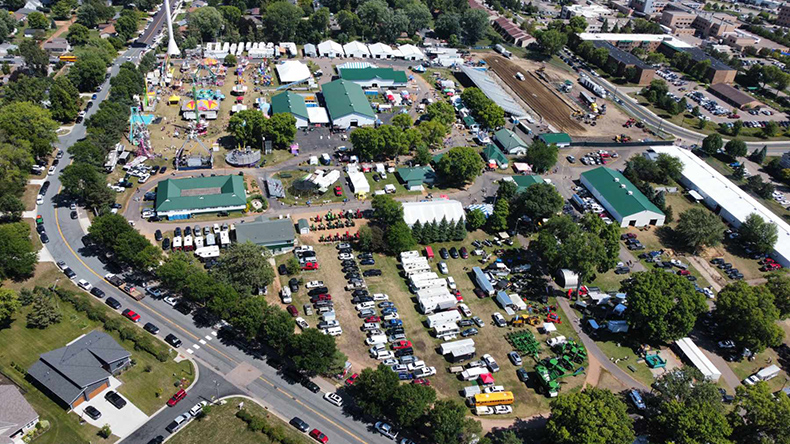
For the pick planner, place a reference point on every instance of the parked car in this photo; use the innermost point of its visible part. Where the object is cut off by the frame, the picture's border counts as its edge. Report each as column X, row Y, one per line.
column 115, row 399
column 514, row 358
column 98, row 292
column 131, row 315
column 636, row 398
column 113, row 303
column 386, row 430
column 176, row 398
column 318, row 436
column 151, row 328
column 299, row 424
column 334, row 399
column 92, row 412
column 173, row 340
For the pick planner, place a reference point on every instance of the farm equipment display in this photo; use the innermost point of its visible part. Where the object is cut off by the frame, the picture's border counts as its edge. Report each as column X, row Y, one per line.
column 567, row 362
column 521, row 321
column 554, row 318
column 525, row 342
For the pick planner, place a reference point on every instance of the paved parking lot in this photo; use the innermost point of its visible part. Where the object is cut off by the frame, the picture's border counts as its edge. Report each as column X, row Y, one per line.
column 122, row 422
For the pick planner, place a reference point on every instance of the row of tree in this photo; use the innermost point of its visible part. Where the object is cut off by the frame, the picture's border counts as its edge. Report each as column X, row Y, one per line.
column 487, row 113
column 656, row 94
column 443, row 231
column 251, row 128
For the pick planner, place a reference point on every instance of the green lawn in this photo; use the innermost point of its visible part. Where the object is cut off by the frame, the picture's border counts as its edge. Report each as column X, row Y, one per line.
column 288, row 178
column 615, row 348
column 391, row 179
column 222, row 426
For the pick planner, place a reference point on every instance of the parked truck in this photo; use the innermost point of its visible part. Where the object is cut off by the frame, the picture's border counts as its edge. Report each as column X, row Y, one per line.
column 132, row 291
column 113, row 279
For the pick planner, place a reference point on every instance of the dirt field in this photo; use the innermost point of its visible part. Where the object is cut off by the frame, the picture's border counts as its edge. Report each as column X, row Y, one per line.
column 537, row 96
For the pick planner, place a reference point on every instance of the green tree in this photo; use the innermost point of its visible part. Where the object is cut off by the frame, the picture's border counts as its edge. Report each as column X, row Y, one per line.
column 173, row 272
column 65, row 100
column 491, row 115
column 449, row 424
column 402, row 122
column 698, row 227
column 278, row 328
column 88, row 72
column 36, row 59
column 374, row 389
column 24, row 122
column 387, row 210
column 44, row 312
column 312, row 351
column 410, row 403
column 498, row 220
column 749, row 316
column 779, row 286
column 245, row 267
column 680, row 424
column 460, row 165
column 662, row 307
column 669, row 166
column 422, row 156
column 551, row 41
column 394, row 139
column 9, row 304
column 432, row 131
column 280, row 128
column 711, row 144
column 399, row 237
column 86, row 183
column 78, row 35
column 247, row 127
column 126, row 25
column 476, row 219
column 368, row 143
column 281, row 20
column 541, row 156
column 771, row 129
column 506, row 190
column 757, row 234
column 416, row 232
column 247, row 316
column 765, row 415
column 108, row 227
column 17, row 256
column 207, row 22
column 230, row 60
column 735, row 148
column 11, row 208
column 474, row 23
column 737, row 126
column 292, row 266
column 590, row 416
column 37, row 20
column 440, row 111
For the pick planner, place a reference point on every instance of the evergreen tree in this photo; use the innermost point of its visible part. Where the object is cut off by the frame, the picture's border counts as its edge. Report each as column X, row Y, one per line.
column 416, row 232
column 44, row 312
column 429, row 233
column 443, row 232
column 460, row 230
column 761, row 154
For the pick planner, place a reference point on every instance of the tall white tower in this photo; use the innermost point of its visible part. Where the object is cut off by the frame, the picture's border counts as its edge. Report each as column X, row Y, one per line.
column 172, row 48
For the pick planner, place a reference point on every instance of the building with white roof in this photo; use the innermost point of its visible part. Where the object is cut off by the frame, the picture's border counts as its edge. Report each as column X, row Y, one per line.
column 411, row 52
column 292, row 71
column 330, row 49
column 727, row 199
column 356, row 50
column 310, row 50
column 381, row 51
column 629, row 41
column 432, row 211
column 698, row 359
column 359, row 184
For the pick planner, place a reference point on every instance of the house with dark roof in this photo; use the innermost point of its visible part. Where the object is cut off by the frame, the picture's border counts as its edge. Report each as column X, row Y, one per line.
column 293, row 104
column 347, row 105
column 277, row 235
column 181, row 198
column 512, row 32
column 371, row 77
column 58, row 45
column 81, row 370
column 718, row 71
column 17, row 417
column 413, row 178
column 510, row 142
column 621, row 198
column 494, row 157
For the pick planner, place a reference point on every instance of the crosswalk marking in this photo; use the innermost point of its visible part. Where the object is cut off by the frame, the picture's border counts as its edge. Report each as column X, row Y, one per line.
column 196, row 346
column 202, row 341
column 189, row 350
column 208, row 337
column 213, row 333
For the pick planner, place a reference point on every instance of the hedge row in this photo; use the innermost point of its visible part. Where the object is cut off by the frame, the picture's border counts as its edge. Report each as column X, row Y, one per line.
column 125, row 330
column 259, row 424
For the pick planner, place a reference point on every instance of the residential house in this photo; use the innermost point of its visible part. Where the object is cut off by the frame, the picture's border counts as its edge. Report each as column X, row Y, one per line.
column 17, row 417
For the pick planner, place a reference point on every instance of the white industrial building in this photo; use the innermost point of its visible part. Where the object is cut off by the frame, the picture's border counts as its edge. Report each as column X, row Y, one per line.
column 331, row 49
column 690, row 350
column 359, row 184
column 356, row 50
column 432, row 211
column 410, row 52
column 381, row 51
column 726, row 199
column 292, row 71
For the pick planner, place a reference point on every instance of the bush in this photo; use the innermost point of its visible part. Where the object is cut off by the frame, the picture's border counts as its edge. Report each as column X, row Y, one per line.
column 105, row 431
column 244, row 415
column 256, row 424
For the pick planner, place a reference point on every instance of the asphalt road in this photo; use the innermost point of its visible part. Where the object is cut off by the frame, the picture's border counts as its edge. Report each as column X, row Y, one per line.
column 258, row 380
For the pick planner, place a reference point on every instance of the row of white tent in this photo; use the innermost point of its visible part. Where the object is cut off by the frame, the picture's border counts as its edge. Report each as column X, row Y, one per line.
column 327, row 48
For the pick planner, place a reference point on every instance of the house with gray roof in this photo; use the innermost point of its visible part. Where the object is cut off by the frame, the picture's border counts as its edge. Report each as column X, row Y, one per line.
column 17, row 417
column 277, row 235
column 57, row 45
column 81, row 370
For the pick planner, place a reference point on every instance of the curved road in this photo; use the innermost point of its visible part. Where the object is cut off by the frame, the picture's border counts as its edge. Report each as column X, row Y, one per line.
column 247, row 372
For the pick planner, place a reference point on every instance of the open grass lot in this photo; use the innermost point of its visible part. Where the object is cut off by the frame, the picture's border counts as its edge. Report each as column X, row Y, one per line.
column 289, row 177
column 391, row 179
column 745, row 368
column 222, row 426
column 613, row 348
column 491, row 339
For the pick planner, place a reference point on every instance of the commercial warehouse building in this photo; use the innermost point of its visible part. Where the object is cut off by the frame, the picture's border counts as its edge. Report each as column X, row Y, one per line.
column 347, row 105
column 182, row 198
column 726, row 199
column 371, row 77
column 734, row 97
column 621, row 198
column 277, row 235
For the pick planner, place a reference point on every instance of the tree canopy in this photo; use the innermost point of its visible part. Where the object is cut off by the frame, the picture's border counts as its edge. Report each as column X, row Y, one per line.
column 757, row 234
column 460, row 165
column 592, row 416
column 748, row 315
column 699, row 227
column 245, row 267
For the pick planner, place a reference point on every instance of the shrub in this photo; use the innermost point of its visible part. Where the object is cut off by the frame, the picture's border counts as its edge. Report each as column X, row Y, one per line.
column 105, row 431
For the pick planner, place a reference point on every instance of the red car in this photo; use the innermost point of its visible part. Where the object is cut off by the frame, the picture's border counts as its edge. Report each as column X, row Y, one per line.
column 421, row 381
column 338, row 191
column 318, row 436
column 372, row 319
column 352, row 379
column 683, row 272
column 320, row 297
column 181, row 394
column 132, row 316
column 401, row 344
column 310, row 266
column 292, row 310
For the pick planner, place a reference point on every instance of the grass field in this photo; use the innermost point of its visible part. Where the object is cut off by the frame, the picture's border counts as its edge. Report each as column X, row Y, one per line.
column 391, row 179
column 222, row 426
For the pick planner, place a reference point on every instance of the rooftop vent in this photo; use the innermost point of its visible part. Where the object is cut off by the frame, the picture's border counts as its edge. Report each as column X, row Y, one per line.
column 630, row 193
column 617, row 179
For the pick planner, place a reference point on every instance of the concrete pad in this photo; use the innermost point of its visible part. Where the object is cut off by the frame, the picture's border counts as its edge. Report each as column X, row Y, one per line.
column 44, row 255
column 30, row 214
column 122, row 422
column 243, row 375
column 85, row 223
column 36, row 181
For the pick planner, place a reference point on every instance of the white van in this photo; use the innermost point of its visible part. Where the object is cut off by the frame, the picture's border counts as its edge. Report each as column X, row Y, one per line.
column 451, row 283
column 375, row 340
column 285, row 295
column 333, row 331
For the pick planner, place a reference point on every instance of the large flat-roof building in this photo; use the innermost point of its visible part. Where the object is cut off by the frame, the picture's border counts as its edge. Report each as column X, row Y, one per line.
column 347, row 105
column 627, row 205
column 81, row 370
column 371, row 77
column 277, row 235
column 710, row 25
column 624, row 59
column 433, row 211
column 647, row 7
column 627, row 42
column 783, row 18
column 182, row 198
column 727, row 199
column 493, row 91
column 734, row 97
column 718, row 72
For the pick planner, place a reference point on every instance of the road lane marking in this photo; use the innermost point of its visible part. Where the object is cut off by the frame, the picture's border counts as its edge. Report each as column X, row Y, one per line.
column 213, row 333
column 208, row 337
column 197, row 347
column 202, row 341
column 189, row 350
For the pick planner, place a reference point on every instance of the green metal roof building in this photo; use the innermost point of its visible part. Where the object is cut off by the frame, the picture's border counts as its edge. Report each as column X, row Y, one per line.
column 291, row 103
column 181, row 198
column 510, row 142
column 347, row 104
column 524, row 182
column 560, row 139
column 375, row 77
column 277, row 235
column 621, row 198
column 493, row 155
column 413, row 178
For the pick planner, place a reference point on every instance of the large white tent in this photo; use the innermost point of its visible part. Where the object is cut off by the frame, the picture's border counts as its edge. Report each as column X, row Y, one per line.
column 331, row 49
column 292, row 71
column 356, row 49
column 432, row 211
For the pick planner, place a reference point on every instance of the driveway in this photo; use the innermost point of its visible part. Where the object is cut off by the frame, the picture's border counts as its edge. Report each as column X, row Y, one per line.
column 122, row 422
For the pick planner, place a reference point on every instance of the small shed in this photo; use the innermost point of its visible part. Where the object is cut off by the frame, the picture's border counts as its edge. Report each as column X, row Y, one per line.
column 304, row 227
column 567, row 279
column 310, row 50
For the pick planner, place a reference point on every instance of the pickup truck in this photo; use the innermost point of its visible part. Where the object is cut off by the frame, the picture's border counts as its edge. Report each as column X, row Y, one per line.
column 115, row 280
column 132, row 291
